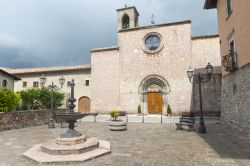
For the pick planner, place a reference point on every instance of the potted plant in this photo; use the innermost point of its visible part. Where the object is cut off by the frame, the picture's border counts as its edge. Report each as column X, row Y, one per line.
column 139, row 109
column 169, row 111
column 116, row 124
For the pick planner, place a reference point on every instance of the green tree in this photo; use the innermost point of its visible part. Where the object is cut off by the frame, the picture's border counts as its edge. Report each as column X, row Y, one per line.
column 8, row 100
column 40, row 98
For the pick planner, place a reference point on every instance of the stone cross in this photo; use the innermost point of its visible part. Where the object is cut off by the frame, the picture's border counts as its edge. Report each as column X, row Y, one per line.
column 152, row 19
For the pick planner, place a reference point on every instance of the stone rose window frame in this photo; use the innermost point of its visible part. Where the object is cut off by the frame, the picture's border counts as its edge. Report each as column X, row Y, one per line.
column 144, row 47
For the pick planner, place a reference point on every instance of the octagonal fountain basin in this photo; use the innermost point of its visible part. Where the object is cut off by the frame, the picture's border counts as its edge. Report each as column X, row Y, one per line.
column 70, row 116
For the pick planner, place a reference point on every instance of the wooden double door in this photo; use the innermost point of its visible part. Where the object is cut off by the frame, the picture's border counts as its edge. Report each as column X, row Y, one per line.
column 154, row 103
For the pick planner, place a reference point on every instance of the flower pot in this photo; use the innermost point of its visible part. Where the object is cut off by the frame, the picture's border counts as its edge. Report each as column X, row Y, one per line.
column 117, row 125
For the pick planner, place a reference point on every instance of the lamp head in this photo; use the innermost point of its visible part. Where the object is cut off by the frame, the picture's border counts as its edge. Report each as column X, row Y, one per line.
column 209, row 69
column 61, row 81
column 190, row 73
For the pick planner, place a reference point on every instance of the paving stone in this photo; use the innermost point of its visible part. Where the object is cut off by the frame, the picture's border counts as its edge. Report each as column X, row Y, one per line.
column 141, row 145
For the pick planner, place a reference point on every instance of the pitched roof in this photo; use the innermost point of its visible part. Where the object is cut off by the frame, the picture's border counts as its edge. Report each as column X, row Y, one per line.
column 48, row 69
column 210, row 4
column 8, row 74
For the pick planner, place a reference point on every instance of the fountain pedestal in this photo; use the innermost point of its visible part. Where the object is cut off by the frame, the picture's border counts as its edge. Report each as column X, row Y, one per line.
column 71, row 146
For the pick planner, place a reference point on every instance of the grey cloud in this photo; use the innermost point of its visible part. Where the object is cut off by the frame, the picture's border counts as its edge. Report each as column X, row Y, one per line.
column 62, row 32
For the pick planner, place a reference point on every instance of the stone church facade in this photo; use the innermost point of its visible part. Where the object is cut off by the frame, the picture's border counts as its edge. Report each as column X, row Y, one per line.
column 147, row 67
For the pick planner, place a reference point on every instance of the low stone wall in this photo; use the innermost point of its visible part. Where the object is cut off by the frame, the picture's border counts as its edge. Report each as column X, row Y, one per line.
column 22, row 119
column 235, row 99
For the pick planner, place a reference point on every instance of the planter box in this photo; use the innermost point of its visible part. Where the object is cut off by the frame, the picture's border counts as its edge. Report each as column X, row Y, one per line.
column 117, row 125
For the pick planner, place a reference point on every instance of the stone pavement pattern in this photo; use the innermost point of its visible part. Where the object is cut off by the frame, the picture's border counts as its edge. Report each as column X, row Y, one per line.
column 148, row 144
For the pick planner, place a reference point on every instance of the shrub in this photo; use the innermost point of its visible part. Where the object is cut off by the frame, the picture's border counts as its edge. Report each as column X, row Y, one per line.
column 114, row 114
column 8, row 100
column 40, row 98
column 169, row 110
column 139, row 109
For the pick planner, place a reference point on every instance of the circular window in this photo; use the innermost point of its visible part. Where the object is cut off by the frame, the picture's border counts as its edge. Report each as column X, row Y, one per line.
column 4, row 83
column 152, row 43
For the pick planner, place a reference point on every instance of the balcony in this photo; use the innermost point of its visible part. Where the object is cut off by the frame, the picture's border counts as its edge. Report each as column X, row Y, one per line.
column 230, row 61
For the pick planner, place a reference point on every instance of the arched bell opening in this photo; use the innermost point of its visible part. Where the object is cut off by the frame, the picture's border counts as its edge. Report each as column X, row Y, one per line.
column 125, row 21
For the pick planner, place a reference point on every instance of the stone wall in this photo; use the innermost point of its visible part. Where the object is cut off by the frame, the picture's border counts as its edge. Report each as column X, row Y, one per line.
column 171, row 63
column 211, row 96
column 235, row 101
column 105, row 81
column 22, row 119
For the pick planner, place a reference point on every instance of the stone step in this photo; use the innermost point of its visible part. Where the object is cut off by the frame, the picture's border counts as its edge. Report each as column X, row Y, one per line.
column 71, row 141
column 36, row 154
column 53, row 148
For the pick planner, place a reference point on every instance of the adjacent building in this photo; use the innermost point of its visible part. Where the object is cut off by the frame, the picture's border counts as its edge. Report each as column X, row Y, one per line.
column 234, row 32
column 7, row 80
column 80, row 74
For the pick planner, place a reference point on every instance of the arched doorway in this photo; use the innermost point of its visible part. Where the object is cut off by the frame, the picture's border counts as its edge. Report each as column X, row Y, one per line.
column 153, row 90
column 84, row 104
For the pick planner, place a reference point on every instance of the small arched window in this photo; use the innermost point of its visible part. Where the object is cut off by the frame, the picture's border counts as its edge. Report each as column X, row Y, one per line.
column 125, row 21
column 4, row 83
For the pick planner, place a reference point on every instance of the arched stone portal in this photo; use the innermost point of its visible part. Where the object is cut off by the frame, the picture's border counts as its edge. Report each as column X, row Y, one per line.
column 153, row 91
column 84, row 104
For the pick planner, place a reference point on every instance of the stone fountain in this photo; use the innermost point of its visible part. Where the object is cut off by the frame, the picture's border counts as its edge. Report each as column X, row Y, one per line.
column 71, row 146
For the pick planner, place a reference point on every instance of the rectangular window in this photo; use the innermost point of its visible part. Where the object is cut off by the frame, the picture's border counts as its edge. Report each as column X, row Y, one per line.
column 229, row 7
column 87, row 82
column 232, row 53
column 24, row 84
column 35, row 84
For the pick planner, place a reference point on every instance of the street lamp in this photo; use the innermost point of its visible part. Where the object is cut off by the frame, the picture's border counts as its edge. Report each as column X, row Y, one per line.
column 52, row 87
column 201, row 79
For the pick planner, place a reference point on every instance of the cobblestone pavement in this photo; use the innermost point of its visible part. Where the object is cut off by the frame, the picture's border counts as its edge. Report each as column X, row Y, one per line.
column 148, row 144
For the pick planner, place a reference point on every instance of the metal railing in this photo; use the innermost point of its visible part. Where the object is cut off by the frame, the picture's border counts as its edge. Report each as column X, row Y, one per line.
column 230, row 61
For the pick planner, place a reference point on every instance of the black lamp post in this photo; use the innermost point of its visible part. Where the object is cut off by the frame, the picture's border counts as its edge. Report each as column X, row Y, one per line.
column 52, row 87
column 201, row 79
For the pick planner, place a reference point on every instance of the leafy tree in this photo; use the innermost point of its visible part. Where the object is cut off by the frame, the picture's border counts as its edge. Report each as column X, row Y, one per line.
column 35, row 98
column 8, row 100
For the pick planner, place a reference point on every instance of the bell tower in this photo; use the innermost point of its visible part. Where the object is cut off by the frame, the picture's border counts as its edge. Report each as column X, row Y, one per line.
column 127, row 18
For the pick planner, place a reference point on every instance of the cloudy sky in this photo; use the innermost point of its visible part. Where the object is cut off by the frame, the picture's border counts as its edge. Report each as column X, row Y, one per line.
column 36, row 33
